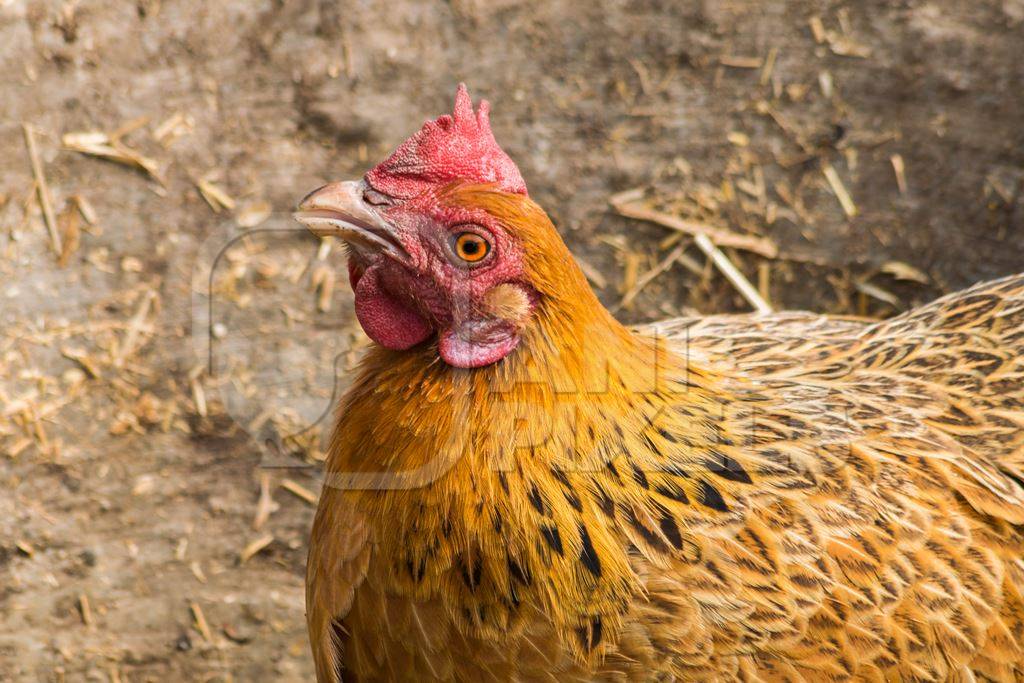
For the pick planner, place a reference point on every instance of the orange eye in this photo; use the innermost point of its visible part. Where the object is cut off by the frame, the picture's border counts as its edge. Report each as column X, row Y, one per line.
column 471, row 247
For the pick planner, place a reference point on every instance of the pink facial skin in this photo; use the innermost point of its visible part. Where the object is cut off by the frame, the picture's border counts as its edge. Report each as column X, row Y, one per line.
column 401, row 304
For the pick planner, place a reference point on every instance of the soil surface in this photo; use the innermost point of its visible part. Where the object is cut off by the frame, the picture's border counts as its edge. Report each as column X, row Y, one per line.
column 162, row 383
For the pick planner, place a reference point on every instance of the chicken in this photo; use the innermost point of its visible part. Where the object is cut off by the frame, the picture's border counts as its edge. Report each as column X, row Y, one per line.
column 521, row 488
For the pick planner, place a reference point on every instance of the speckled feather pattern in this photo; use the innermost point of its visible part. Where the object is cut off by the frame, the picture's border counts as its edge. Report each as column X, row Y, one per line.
column 790, row 497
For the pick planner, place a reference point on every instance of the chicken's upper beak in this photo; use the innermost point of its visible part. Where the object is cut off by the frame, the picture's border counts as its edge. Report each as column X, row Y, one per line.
column 338, row 210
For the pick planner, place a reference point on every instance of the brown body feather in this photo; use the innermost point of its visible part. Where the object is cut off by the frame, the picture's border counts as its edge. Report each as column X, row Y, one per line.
column 790, row 497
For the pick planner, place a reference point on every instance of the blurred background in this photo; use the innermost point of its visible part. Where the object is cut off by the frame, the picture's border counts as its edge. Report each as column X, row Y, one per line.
column 171, row 340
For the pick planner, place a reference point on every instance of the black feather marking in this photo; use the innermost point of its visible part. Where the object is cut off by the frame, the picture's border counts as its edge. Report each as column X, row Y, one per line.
column 606, row 503
column 503, row 480
column 518, row 573
column 590, row 635
column 673, row 491
column 615, row 473
column 671, row 530
column 553, row 537
column 675, row 470
column 417, row 571
column 584, row 635
column 710, row 497
column 561, row 476
column 667, row 435
column 588, row 556
column 471, row 576
column 570, row 494
column 653, row 539
column 640, row 477
column 536, row 500
column 727, row 468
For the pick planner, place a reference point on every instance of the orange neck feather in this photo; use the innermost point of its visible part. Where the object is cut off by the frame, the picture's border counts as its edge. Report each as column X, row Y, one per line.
column 517, row 463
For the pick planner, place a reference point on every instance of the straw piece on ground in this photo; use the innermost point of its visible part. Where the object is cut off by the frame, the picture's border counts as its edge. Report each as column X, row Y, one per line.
column 876, row 292
column 817, row 29
column 298, row 490
column 200, row 620
column 764, row 275
column 346, row 53
column 85, row 208
column 720, row 236
column 254, row 547
column 901, row 172
column 99, row 144
column 904, row 271
column 826, row 83
column 129, row 127
column 769, row 65
column 322, row 280
column 16, row 448
column 217, row 198
column 43, row 189
column 650, row 275
column 737, row 138
column 174, row 127
column 845, row 200
column 253, row 214
column 131, row 337
column 81, row 357
column 631, row 270
column 265, row 504
column 70, row 233
column 738, row 62
column 84, row 609
column 199, row 396
column 732, row 274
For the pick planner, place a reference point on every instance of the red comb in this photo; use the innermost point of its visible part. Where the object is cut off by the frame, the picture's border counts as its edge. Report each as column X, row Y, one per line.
column 459, row 146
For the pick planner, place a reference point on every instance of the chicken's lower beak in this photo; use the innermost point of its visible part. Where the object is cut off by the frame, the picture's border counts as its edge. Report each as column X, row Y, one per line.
column 338, row 210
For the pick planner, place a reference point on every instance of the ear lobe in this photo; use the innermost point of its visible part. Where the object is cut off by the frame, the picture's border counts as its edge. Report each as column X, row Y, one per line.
column 478, row 342
column 509, row 302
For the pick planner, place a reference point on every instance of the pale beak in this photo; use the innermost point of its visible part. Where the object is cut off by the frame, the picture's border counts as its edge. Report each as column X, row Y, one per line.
column 338, row 210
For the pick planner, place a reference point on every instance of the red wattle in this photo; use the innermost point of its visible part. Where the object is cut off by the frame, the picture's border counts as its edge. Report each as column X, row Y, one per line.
column 385, row 319
column 354, row 273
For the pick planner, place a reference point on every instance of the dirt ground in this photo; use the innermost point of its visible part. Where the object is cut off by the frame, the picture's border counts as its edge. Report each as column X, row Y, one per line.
column 158, row 481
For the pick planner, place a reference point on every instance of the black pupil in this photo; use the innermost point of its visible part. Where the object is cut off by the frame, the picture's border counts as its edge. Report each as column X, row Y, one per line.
column 471, row 247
